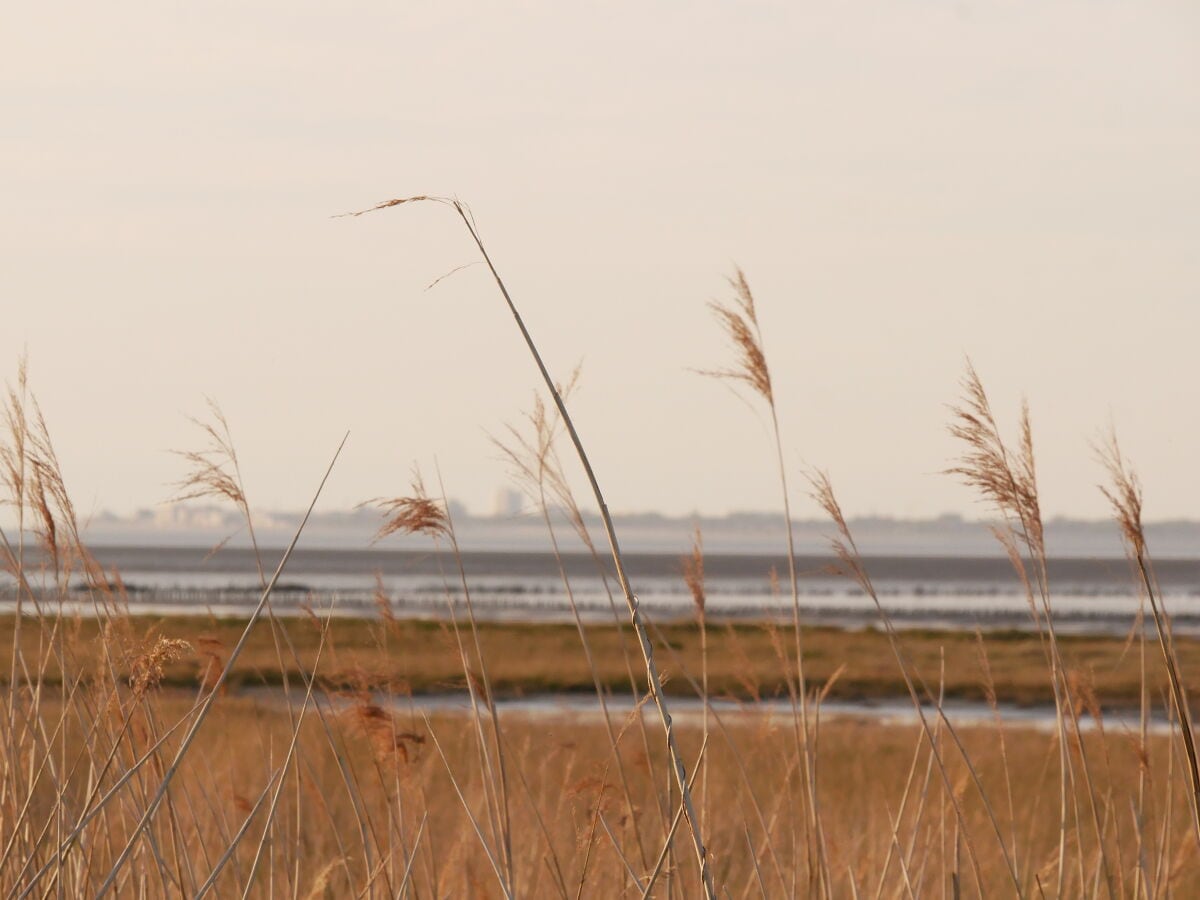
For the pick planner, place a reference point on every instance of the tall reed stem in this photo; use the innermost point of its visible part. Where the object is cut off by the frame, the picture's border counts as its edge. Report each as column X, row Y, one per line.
column 740, row 320
column 653, row 680
column 1125, row 496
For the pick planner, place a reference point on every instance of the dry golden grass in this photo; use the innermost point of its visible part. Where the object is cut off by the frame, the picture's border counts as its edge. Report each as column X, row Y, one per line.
column 370, row 781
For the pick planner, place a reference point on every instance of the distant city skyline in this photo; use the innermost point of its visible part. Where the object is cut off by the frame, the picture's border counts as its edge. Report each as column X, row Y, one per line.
column 203, row 514
column 207, row 525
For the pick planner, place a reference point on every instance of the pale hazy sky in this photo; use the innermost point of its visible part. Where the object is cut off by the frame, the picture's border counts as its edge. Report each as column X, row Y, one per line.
column 905, row 182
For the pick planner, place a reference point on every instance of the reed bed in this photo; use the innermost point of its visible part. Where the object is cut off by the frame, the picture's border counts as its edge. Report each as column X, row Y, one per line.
column 373, row 773
column 134, row 763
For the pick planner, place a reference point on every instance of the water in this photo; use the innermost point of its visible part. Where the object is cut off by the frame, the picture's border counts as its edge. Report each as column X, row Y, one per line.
column 1089, row 595
column 689, row 711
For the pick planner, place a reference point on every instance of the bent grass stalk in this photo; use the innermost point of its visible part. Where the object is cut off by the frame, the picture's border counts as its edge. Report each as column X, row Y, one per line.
column 652, row 677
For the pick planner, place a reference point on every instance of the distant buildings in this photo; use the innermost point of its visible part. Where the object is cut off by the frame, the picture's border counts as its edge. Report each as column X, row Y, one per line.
column 509, row 503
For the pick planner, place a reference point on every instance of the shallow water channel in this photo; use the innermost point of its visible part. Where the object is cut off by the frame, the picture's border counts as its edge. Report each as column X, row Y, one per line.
column 689, row 711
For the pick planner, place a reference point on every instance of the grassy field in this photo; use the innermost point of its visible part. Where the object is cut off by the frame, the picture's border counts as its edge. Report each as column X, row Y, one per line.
column 351, row 790
column 745, row 661
column 372, row 801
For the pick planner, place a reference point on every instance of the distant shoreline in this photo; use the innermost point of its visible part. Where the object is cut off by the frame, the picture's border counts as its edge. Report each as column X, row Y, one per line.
column 200, row 525
column 168, row 558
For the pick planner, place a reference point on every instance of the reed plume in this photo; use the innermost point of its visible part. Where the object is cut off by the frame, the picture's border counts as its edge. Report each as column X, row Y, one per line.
column 416, row 513
column 1006, row 477
column 215, row 473
column 739, row 318
column 149, row 666
column 1124, row 494
column 212, row 472
column 692, row 566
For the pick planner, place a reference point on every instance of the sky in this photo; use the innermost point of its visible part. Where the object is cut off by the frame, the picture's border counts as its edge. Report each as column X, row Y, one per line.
column 906, row 183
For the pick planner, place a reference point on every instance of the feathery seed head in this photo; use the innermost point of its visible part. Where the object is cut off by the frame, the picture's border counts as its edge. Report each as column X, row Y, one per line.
column 148, row 667
column 739, row 319
column 417, row 513
column 1005, row 477
column 693, row 573
column 213, row 469
column 1124, row 494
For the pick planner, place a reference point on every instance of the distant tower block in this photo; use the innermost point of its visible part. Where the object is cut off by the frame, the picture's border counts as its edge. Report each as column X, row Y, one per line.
column 509, row 503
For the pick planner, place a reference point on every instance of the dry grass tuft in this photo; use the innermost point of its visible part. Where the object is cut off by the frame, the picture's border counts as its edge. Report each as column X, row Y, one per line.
column 213, row 469
column 149, row 666
column 215, row 474
column 848, row 560
column 1007, row 477
column 740, row 320
column 417, row 513
column 1124, row 494
column 693, row 573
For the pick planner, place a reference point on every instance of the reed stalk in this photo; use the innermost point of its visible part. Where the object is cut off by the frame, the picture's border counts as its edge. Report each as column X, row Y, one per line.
column 1007, row 477
column 679, row 770
column 739, row 319
column 1124, row 493
column 536, row 469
